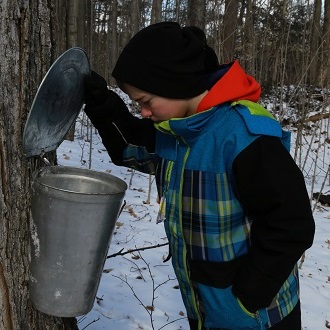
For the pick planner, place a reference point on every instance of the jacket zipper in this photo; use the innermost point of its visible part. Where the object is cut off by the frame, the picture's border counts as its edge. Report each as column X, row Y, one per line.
column 195, row 305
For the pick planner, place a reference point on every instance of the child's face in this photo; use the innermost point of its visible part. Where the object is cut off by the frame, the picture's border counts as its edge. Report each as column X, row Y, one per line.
column 159, row 108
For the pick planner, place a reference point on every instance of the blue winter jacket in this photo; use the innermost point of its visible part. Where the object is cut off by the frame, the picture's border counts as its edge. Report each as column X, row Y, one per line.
column 207, row 227
column 237, row 213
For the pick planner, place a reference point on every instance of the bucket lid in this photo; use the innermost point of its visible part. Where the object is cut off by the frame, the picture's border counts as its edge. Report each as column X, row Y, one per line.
column 57, row 103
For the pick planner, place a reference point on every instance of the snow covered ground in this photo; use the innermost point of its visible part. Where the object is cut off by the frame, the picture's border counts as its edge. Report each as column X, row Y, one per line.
column 138, row 290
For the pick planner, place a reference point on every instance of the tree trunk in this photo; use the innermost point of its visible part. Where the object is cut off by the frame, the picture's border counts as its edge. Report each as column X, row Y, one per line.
column 315, row 42
column 26, row 52
column 62, row 24
column 156, row 12
column 249, row 42
column 197, row 13
column 74, row 36
column 325, row 75
column 229, row 29
column 135, row 17
column 75, row 23
column 113, row 41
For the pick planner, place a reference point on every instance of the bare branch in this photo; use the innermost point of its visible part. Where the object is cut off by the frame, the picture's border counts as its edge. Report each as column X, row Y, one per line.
column 120, row 253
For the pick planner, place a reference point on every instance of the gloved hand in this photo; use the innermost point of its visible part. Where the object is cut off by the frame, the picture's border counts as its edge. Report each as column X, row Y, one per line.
column 103, row 105
column 96, row 89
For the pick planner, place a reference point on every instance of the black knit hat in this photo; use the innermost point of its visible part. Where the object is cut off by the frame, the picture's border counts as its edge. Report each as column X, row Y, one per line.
column 166, row 60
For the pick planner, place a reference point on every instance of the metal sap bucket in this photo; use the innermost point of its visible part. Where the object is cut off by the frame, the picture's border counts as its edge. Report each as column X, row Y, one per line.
column 74, row 212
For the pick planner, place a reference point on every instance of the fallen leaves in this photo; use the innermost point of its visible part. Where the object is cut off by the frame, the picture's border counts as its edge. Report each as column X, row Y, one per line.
column 119, row 224
column 130, row 210
column 328, row 242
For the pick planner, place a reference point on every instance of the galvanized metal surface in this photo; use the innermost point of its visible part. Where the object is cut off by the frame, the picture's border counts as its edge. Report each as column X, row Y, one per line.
column 74, row 212
column 57, row 103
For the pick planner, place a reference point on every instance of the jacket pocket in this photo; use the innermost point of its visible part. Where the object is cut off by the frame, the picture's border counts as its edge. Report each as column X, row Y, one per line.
column 223, row 310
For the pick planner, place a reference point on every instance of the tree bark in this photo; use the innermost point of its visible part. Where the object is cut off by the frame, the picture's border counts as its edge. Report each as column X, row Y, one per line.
column 325, row 74
column 61, row 21
column 75, row 23
column 135, row 17
column 74, row 36
column 156, row 12
column 27, row 49
column 315, row 42
column 113, row 41
column 229, row 29
column 197, row 13
column 249, row 42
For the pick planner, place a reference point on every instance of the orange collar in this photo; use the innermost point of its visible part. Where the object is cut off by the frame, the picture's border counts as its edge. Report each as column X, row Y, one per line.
column 233, row 86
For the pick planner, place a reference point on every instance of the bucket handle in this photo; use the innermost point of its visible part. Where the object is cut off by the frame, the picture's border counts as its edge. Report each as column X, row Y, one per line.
column 38, row 173
column 121, row 209
column 45, row 160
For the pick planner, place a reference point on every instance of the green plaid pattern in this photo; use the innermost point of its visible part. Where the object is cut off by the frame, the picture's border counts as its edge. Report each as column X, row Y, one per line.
column 204, row 219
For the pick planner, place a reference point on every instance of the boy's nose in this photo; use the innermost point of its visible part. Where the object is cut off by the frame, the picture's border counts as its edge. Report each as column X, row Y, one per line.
column 145, row 113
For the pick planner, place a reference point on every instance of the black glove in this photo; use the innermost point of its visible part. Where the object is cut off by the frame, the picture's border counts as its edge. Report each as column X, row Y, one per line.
column 103, row 105
column 96, row 89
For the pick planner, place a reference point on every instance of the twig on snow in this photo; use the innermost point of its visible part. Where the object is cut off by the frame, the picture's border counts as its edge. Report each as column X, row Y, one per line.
column 91, row 323
column 121, row 253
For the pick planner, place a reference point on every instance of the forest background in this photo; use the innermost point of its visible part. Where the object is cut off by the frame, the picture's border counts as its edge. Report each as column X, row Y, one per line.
column 284, row 44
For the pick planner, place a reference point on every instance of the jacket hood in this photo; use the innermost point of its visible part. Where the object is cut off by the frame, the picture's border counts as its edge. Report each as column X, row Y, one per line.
column 234, row 85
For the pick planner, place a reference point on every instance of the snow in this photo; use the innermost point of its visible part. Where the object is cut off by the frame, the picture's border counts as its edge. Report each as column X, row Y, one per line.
column 138, row 290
